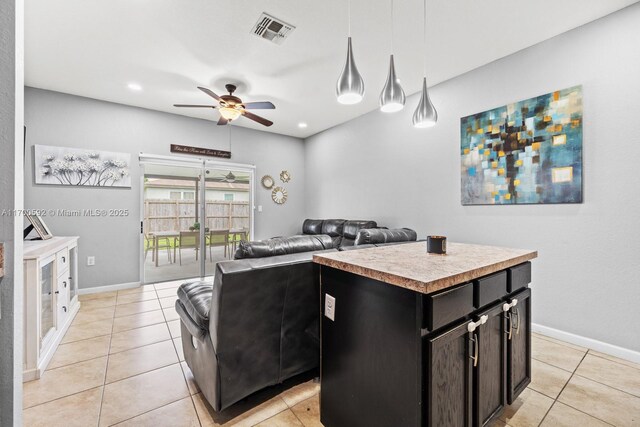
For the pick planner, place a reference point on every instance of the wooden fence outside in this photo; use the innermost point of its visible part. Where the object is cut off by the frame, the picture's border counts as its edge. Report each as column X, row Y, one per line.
column 179, row 215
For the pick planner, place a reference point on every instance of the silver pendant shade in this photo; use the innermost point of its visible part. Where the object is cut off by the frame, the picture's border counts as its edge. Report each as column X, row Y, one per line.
column 350, row 85
column 425, row 115
column 392, row 97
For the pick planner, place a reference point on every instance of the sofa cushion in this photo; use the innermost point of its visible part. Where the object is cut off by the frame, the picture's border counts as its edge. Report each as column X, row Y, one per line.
column 312, row 226
column 283, row 246
column 195, row 299
column 351, row 227
column 333, row 227
column 377, row 235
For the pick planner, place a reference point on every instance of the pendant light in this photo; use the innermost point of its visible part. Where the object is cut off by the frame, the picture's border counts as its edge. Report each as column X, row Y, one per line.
column 425, row 115
column 350, row 86
column 392, row 97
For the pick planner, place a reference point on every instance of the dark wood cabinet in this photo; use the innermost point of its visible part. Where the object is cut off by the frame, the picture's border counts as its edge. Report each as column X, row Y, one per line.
column 447, row 378
column 489, row 372
column 518, row 326
column 396, row 357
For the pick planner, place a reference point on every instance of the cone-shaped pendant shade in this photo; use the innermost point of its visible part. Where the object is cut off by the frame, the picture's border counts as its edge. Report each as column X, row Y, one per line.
column 425, row 115
column 350, row 86
column 392, row 97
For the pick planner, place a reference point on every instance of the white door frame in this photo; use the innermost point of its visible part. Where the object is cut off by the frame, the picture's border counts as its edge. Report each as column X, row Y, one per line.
column 202, row 163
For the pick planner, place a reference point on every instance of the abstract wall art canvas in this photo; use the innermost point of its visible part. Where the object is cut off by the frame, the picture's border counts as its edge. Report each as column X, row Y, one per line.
column 78, row 167
column 527, row 152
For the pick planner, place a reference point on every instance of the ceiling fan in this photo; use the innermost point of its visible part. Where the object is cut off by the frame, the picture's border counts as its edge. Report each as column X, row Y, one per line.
column 230, row 177
column 231, row 107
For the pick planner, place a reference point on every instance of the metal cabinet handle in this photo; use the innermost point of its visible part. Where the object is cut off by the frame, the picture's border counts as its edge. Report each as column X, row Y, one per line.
column 64, row 308
column 509, row 329
column 64, row 259
column 516, row 314
column 57, row 292
column 472, row 326
column 474, row 344
column 64, row 284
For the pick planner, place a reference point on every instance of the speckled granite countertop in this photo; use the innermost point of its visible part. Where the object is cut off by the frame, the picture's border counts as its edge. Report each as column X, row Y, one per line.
column 410, row 266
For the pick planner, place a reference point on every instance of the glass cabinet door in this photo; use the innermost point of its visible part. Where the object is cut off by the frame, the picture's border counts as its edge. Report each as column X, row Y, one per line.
column 46, row 300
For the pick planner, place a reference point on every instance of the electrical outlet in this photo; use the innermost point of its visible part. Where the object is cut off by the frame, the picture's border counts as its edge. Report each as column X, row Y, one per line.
column 259, row 208
column 329, row 306
column 91, row 260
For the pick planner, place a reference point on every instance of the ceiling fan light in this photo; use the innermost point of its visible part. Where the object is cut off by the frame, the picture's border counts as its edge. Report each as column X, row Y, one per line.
column 229, row 113
column 425, row 115
column 350, row 85
column 392, row 97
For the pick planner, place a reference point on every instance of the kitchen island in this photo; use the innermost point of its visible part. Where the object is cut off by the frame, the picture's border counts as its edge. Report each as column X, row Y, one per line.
column 416, row 339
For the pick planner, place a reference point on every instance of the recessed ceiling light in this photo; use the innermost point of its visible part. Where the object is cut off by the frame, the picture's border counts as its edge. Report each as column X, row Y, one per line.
column 135, row 87
column 302, row 125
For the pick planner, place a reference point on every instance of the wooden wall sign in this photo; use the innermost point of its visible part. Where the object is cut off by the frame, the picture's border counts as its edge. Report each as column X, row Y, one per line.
column 200, row 151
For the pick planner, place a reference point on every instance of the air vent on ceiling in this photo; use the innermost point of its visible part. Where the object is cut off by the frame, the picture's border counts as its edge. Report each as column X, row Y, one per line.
column 272, row 29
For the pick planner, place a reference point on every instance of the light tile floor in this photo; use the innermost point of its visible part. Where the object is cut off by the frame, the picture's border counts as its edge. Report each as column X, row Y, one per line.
column 121, row 363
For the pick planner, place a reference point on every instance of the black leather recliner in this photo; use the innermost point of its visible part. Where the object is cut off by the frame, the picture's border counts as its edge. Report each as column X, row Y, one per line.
column 258, row 324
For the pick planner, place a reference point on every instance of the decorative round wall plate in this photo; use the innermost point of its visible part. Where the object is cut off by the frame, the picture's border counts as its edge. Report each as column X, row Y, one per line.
column 267, row 182
column 279, row 195
column 285, row 176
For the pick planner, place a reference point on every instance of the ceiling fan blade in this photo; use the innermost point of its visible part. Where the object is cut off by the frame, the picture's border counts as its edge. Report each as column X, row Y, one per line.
column 210, row 93
column 194, row 106
column 261, row 105
column 256, row 118
column 222, row 121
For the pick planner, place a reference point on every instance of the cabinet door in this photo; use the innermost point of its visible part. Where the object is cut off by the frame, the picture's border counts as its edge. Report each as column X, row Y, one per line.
column 447, row 378
column 46, row 304
column 489, row 369
column 519, row 345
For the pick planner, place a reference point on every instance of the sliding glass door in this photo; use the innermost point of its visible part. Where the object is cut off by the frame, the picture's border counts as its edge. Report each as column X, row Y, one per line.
column 194, row 214
column 228, row 203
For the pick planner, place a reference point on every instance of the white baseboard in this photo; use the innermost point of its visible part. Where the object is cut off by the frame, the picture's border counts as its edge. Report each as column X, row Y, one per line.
column 108, row 288
column 603, row 347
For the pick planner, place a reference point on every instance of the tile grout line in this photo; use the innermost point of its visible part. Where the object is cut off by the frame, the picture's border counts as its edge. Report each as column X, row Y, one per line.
column 106, row 369
column 193, row 403
column 562, row 390
column 146, row 412
column 607, row 385
column 613, row 361
column 559, row 342
column 61, row 397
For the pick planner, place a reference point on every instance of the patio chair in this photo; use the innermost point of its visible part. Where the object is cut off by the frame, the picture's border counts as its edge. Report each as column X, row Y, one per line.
column 187, row 240
column 149, row 245
column 238, row 235
column 218, row 238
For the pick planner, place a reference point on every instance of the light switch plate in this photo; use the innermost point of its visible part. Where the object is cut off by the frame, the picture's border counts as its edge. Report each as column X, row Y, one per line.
column 329, row 306
column 91, row 260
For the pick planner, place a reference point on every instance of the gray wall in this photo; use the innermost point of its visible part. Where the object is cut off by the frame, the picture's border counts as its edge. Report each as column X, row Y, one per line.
column 54, row 118
column 587, row 277
column 11, row 100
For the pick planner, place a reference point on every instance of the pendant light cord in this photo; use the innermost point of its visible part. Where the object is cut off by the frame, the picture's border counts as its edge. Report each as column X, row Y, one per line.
column 424, row 39
column 392, row 27
column 349, row 15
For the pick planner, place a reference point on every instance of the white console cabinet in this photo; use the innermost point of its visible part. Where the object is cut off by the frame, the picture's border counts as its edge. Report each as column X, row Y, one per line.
column 50, row 299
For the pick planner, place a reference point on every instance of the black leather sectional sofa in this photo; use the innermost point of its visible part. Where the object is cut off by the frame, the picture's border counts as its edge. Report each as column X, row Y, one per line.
column 259, row 323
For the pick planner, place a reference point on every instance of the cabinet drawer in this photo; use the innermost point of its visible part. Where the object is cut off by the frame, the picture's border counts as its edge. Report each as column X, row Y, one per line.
column 447, row 306
column 62, row 261
column 489, row 289
column 518, row 277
